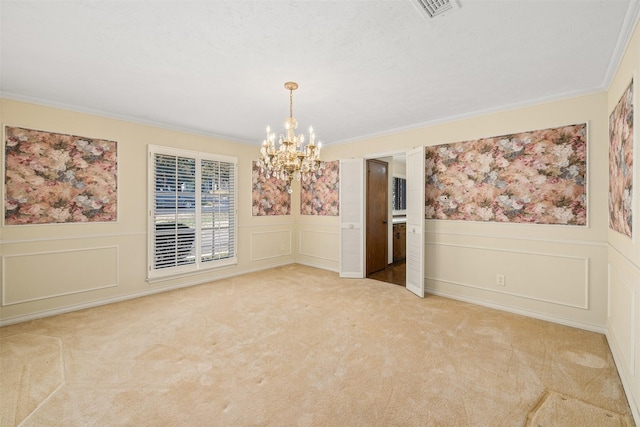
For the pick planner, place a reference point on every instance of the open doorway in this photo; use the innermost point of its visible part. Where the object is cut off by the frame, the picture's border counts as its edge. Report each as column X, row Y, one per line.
column 395, row 205
column 353, row 208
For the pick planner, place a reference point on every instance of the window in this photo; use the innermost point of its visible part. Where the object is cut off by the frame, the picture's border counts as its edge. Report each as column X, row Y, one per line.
column 399, row 194
column 192, row 211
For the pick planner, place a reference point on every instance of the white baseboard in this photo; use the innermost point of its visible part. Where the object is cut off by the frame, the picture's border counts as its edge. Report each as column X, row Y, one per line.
column 533, row 314
column 624, row 378
column 314, row 265
column 626, row 382
column 119, row 298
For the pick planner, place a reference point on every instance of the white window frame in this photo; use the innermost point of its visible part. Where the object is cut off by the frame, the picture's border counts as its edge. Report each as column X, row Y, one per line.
column 199, row 264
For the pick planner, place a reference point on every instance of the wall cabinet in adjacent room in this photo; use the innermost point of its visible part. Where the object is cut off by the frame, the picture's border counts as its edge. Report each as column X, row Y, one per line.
column 399, row 242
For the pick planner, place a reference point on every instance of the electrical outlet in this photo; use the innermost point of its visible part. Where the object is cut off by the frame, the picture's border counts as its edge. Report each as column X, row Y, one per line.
column 500, row 280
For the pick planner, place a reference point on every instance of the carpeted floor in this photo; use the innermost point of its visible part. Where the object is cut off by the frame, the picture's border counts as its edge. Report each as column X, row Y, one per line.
column 297, row 346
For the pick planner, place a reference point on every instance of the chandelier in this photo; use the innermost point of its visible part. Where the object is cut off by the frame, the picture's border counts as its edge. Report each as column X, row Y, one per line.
column 291, row 159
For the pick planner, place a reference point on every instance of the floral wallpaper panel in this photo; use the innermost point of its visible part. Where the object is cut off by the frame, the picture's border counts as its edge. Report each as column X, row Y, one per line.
column 321, row 194
column 621, row 164
column 58, row 178
column 534, row 177
column 268, row 196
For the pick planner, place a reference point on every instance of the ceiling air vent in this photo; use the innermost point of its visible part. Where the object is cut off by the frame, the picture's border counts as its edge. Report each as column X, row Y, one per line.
column 433, row 8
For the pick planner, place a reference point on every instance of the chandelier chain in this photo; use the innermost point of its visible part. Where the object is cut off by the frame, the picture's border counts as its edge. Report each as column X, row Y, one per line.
column 291, row 103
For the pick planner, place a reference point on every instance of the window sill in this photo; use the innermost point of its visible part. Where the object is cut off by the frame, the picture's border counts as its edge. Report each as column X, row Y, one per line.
column 190, row 272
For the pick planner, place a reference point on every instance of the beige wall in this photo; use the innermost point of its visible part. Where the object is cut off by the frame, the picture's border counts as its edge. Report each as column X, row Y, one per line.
column 48, row 269
column 588, row 277
column 553, row 272
column 623, row 321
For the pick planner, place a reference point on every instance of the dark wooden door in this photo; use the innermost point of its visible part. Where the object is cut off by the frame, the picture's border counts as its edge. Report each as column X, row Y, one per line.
column 377, row 215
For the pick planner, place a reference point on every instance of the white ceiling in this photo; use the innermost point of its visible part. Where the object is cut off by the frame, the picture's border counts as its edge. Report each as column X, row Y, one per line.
column 364, row 67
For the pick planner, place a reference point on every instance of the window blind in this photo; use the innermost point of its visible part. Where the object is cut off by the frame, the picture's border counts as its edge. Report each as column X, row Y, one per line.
column 193, row 215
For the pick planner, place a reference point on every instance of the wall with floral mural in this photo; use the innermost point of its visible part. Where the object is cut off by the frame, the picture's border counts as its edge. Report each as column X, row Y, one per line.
column 320, row 195
column 531, row 177
column 58, row 178
column 621, row 164
column 269, row 196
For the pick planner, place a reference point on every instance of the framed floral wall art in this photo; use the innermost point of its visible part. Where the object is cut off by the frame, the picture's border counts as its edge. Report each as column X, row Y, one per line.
column 269, row 196
column 320, row 195
column 58, row 178
column 621, row 164
column 534, row 177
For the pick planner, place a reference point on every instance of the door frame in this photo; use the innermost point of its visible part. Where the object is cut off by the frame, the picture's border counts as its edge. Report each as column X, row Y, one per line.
column 360, row 271
column 389, row 154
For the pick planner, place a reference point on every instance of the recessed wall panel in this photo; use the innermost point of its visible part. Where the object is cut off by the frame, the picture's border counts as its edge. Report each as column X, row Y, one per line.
column 622, row 315
column 554, row 278
column 270, row 244
column 319, row 244
column 36, row 276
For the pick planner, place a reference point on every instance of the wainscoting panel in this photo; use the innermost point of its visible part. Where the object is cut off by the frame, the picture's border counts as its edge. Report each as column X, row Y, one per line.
column 623, row 322
column 546, row 277
column 270, row 244
column 36, row 276
column 622, row 319
column 319, row 244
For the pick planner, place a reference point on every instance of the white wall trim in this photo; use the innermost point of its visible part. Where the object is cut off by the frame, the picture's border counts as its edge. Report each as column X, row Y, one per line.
column 624, row 37
column 522, row 238
column 4, row 271
column 279, row 224
column 585, row 305
column 278, row 255
column 232, row 263
column 78, row 237
column 489, row 248
column 309, row 225
column 564, row 96
column 105, row 301
column 122, row 117
column 630, row 364
column 622, row 373
column 314, row 265
column 623, row 256
column 513, row 294
column 527, row 313
column 316, row 232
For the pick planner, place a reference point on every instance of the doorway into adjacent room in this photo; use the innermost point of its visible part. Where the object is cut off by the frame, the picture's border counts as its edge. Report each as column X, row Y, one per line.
column 358, row 202
column 385, row 213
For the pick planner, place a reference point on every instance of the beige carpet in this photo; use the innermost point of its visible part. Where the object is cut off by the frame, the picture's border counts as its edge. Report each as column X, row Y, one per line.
column 297, row 346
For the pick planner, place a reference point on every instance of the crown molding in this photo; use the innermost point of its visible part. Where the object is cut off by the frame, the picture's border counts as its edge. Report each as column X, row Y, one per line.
column 631, row 21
